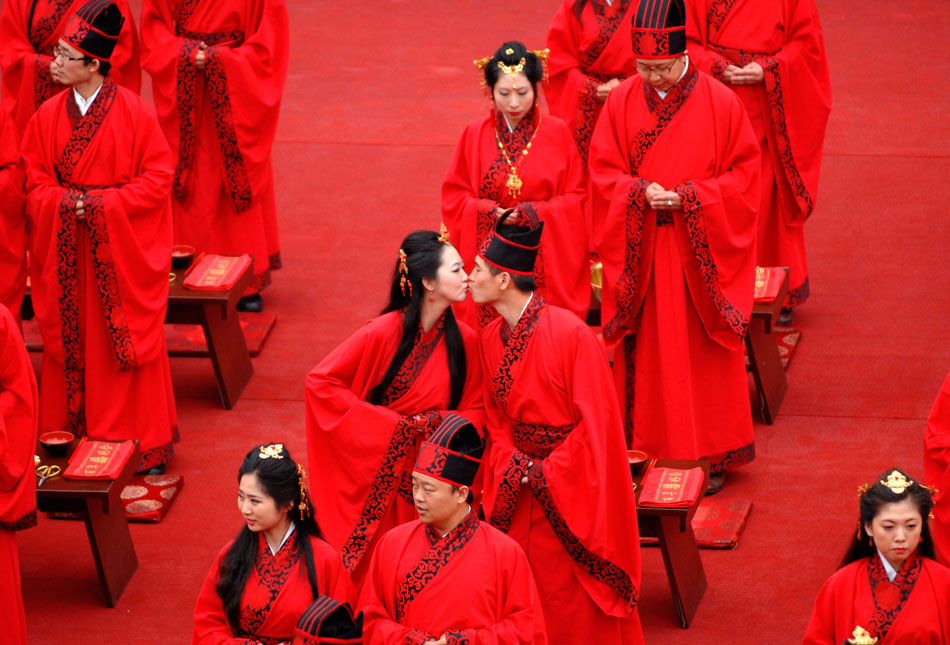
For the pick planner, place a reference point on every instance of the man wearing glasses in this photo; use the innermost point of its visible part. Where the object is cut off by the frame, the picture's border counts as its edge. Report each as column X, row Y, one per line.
column 98, row 183
column 675, row 180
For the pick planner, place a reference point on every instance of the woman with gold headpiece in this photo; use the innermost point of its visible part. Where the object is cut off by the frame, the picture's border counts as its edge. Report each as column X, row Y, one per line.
column 590, row 55
column 374, row 398
column 889, row 588
column 278, row 564
column 514, row 157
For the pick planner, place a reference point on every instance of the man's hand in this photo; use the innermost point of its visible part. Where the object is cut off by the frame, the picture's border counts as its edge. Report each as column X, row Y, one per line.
column 80, row 210
column 200, row 56
column 666, row 200
column 751, row 74
column 524, row 480
column 441, row 641
column 603, row 91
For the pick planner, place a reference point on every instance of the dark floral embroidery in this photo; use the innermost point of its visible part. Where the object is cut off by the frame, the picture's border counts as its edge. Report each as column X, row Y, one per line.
column 28, row 521
column 599, row 568
column 431, row 458
column 799, row 294
column 629, row 382
column 506, row 497
column 716, row 15
column 185, row 82
column 536, row 440
column 156, row 456
column 441, row 550
column 404, row 490
column 731, row 459
column 237, row 180
column 84, row 129
column 651, row 44
column 458, row 637
column 263, row 279
column 272, row 573
column 40, row 35
column 695, row 224
column 884, row 615
column 516, row 343
column 416, row 637
column 423, row 346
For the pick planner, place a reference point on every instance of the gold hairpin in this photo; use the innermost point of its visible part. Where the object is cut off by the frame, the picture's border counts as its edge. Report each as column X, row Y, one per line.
column 404, row 274
column 512, row 70
column 272, row 451
column 862, row 489
column 509, row 51
column 897, row 482
column 443, row 233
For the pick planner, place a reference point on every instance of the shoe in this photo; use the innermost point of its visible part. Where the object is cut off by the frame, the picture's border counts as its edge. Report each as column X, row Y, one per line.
column 251, row 303
column 716, row 482
column 155, row 470
column 786, row 316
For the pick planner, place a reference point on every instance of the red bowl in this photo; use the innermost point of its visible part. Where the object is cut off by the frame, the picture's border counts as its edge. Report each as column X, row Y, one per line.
column 636, row 456
column 183, row 255
column 56, row 442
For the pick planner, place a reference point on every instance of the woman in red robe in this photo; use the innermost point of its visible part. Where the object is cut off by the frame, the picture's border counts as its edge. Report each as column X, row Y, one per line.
column 937, row 470
column 12, row 218
column 517, row 156
column 889, row 587
column 218, row 72
column 18, row 408
column 772, row 55
column 264, row 579
column 29, row 30
column 372, row 400
column 590, row 55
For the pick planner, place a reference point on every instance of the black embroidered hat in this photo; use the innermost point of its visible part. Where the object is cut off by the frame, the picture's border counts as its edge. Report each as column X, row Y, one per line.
column 328, row 621
column 514, row 248
column 94, row 28
column 452, row 453
column 659, row 29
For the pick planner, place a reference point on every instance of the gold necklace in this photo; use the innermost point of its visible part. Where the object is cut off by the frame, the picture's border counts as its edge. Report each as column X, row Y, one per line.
column 515, row 182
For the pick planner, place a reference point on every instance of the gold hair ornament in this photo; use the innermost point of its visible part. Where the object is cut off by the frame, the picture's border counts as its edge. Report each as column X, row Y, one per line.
column 512, row 70
column 897, row 482
column 272, row 451
column 302, row 482
column 404, row 274
column 861, row 636
column 862, row 489
column 443, row 233
column 509, row 51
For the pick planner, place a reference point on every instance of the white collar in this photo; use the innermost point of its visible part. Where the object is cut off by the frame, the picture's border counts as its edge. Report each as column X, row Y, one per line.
column 891, row 571
column 83, row 103
column 290, row 530
column 525, row 308
column 685, row 67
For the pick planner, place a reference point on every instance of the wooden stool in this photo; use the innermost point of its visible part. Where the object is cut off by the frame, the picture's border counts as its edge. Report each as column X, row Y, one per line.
column 768, row 374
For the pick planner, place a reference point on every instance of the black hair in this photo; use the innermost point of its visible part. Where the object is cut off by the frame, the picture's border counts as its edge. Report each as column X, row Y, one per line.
column 871, row 502
column 523, row 283
column 278, row 478
column 533, row 68
column 423, row 258
column 104, row 65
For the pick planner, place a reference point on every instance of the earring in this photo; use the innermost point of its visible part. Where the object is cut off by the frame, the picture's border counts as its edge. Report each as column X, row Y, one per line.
column 431, row 298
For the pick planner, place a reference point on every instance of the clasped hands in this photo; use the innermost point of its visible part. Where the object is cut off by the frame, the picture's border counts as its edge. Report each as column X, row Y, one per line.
column 80, row 210
column 443, row 640
column 603, row 91
column 200, row 55
column 515, row 218
column 751, row 74
column 659, row 198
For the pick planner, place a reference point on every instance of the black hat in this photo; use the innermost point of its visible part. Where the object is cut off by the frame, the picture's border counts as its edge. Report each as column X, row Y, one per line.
column 328, row 621
column 453, row 452
column 659, row 29
column 94, row 28
column 514, row 248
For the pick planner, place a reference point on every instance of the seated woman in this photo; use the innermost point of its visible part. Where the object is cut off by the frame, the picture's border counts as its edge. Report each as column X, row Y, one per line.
column 515, row 157
column 889, row 589
column 371, row 401
column 277, row 565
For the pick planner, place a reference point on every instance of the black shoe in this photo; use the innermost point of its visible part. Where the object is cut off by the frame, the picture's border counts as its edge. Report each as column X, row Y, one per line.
column 716, row 482
column 251, row 303
column 786, row 316
column 26, row 309
column 155, row 470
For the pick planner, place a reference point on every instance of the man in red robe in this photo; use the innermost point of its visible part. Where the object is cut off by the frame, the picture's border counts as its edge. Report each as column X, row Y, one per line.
column 12, row 218
column 29, row 31
column 18, row 403
column 218, row 71
column 558, row 480
column 675, row 183
column 937, row 470
column 772, row 55
column 447, row 577
column 98, row 180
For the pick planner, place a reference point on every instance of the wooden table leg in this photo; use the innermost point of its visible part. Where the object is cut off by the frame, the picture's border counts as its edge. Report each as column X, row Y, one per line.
column 767, row 371
column 684, row 567
column 229, row 355
column 112, row 548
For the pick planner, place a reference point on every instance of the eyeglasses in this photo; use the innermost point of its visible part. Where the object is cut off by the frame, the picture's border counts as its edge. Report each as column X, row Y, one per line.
column 62, row 53
column 660, row 69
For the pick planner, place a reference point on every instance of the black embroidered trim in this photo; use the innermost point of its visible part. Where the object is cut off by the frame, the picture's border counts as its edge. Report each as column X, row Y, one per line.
column 629, row 381
column 185, row 83
column 155, row 457
column 716, row 15
column 516, row 343
column 506, row 497
column 799, row 294
column 458, row 637
column 422, row 347
column 731, row 459
column 537, row 440
column 695, row 224
column 28, row 521
column 272, row 572
column 882, row 618
column 599, row 568
column 655, row 44
column 416, row 637
column 441, row 549
column 238, row 182
column 66, row 276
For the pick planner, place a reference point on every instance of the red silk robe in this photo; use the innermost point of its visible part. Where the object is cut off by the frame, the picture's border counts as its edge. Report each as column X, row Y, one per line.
column 551, row 403
column 18, row 404
column 678, row 285
column 937, row 470
column 474, row 585
column 26, row 51
column 554, row 183
column 100, row 286
column 224, row 180
column 276, row 593
column 12, row 218
column 361, row 455
column 586, row 53
column 788, row 110
column 921, row 592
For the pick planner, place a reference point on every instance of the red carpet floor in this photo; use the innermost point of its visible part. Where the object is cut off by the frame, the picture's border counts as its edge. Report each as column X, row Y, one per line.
column 378, row 93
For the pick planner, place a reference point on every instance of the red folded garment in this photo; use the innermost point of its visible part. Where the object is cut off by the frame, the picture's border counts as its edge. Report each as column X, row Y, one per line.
column 216, row 272
column 99, row 459
column 671, row 487
column 768, row 282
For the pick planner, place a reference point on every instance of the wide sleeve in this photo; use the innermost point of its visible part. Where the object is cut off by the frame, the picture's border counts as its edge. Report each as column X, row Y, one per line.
column 210, row 623
column 937, row 469
column 829, row 606
column 567, row 84
column 18, row 415
column 697, row 35
column 12, row 217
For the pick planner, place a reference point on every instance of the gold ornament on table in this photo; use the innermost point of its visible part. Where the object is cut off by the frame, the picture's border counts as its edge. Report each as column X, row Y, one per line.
column 272, row 451
column 897, row 482
column 861, row 636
